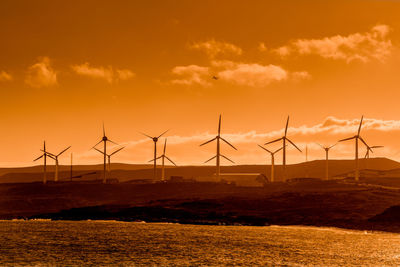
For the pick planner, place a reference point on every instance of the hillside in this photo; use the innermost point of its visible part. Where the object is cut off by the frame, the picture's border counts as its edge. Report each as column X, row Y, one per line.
column 125, row 172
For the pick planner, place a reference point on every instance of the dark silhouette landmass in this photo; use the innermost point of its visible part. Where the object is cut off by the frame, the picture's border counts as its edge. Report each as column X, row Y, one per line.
column 371, row 204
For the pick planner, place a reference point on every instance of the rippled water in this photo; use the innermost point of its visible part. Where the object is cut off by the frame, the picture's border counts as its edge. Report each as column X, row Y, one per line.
column 111, row 243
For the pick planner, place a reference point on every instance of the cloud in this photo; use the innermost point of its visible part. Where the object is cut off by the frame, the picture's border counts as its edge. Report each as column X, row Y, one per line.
column 5, row 77
column 363, row 47
column 300, row 75
column 253, row 74
column 243, row 74
column 41, row 74
column 214, row 48
column 191, row 75
column 106, row 73
column 124, row 74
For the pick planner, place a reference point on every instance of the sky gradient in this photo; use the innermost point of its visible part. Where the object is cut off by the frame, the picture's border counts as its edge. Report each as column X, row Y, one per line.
column 146, row 66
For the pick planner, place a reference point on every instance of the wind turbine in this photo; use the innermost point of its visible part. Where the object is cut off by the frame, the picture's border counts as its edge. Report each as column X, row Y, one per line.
column 104, row 140
column 163, row 157
column 284, row 139
column 369, row 149
column 272, row 161
column 109, row 157
column 356, row 138
column 55, row 157
column 155, row 140
column 218, row 138
column 44, row 156
column 326, row 148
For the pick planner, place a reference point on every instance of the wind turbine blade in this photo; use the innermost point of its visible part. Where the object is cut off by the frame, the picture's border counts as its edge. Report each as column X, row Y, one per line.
column 51, row 156
column 376, row 146
column 279, row 149
column 146, row 135
column 156, row 158
column 97, row 143
column 208, row 141
column 265, row 149
column 210, row 159
column 366, row 154
column 116, row 151
column 219, row 125
column 287, row 124
column 170, row 160
column 347, row 139
column 38, row 158
column 98, row 150
column 227, row 159
column 111, row 141
column 228, row 143
column 332, row 146
column 165, row 145
column 362, row 140
column 270, row 142
column 320, row 145
column 163, row 133
column 64, row 151
column 359, row 127
column 294, row 145
column 104, row 130
column 48, row 153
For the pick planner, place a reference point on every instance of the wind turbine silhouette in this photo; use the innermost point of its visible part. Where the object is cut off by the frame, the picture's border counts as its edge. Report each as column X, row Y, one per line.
column 356, row 138
column 109, row 158
column 55, row 157
column 272, row 161
column 369, row 149
column 163, row 157
column 326, row 148
column 104, row 139
column 155, row 140
column 284, row 139
column 218, row 138
column 44, row 156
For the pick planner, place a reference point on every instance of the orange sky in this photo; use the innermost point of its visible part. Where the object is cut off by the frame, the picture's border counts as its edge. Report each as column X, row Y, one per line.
column 147, row 66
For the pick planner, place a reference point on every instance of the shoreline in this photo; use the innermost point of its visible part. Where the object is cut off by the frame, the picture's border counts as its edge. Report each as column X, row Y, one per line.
column 325, row 227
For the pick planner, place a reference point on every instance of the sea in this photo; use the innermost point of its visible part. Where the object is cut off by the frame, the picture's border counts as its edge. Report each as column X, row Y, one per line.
column 113, row 243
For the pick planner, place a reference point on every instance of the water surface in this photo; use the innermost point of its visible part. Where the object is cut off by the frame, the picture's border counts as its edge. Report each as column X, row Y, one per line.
column 122, row 243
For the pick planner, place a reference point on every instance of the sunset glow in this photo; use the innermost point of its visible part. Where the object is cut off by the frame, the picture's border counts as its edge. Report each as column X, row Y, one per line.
column 148, row 66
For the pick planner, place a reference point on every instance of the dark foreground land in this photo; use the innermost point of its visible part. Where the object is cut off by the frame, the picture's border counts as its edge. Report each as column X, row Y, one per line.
column 371, row 204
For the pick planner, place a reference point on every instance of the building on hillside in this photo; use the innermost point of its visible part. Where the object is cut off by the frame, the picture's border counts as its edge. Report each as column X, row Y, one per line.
column 238, row 179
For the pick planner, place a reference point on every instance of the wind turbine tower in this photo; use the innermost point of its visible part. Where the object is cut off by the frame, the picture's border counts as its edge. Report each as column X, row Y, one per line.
column 55, row 157
column 163, row 157
column 326, row 148
column 356, row 138
column 219, row 155
column 109, row 158
column 104, row 140
column 44, row 156
column 272, row 162
column 284, row 139
column 155, row 140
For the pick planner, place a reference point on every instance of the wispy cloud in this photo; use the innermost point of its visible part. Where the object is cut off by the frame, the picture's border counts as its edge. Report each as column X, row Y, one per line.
column 255, row 75
column 363, row 47
column 41, row 74
column 106, row 73
column 238, row 73
column 214, row 48
column 5, row 76
column 190, row 75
